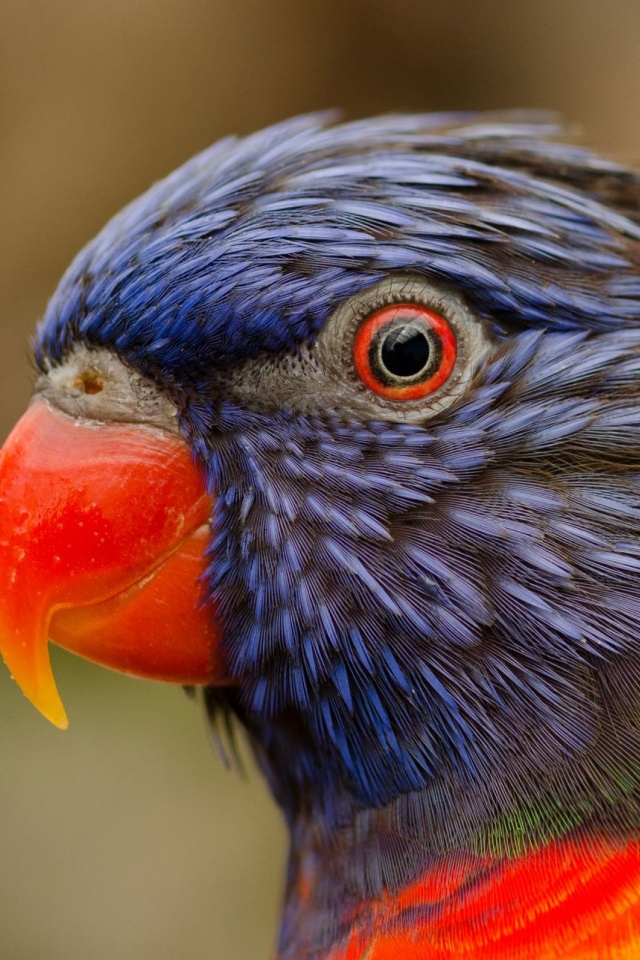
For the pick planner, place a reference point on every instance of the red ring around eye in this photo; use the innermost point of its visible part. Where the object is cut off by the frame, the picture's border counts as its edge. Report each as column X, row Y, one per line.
column 437, row 332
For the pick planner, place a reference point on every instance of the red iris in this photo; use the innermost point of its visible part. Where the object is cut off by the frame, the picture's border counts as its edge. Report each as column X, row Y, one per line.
column 404, row 351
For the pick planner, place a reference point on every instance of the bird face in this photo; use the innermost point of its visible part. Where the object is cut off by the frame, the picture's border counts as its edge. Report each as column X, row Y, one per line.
column 391, row 369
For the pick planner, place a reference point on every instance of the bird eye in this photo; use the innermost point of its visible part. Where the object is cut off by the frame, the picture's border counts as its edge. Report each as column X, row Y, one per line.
column 404, row 351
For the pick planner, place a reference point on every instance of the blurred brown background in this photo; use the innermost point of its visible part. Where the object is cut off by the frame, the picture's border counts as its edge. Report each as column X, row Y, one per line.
column 123, row 838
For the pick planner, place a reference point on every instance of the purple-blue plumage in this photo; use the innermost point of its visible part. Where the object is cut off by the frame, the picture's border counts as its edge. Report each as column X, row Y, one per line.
column 251, row 244
column 431, row 626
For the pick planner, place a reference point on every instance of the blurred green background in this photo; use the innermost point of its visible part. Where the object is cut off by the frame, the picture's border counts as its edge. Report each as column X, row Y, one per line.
column 124, row 838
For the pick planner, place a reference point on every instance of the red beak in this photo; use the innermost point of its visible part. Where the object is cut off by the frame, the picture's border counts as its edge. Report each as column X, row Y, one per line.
column 102, row 535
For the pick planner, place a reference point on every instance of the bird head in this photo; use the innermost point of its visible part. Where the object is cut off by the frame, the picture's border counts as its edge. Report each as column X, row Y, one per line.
column 341, row 423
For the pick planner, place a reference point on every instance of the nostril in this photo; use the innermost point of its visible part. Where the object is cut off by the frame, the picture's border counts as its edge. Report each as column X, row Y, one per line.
column 89, row 381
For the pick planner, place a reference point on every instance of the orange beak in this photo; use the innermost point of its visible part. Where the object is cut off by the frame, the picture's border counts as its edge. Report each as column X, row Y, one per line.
column 103, row 529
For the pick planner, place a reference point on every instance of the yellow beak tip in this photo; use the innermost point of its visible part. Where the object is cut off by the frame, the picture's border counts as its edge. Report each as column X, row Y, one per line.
column 55, row 713
column 62, row 723
column 50, row 706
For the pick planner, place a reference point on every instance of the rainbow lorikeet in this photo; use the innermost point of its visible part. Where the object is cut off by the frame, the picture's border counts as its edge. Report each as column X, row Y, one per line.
column 340, row 423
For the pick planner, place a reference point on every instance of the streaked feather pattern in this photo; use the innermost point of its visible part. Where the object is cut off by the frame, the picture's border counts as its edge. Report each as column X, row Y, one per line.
column 430, row 626
column 565, row 900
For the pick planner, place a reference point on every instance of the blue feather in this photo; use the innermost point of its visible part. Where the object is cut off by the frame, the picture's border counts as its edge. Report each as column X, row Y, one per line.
column 424, row 623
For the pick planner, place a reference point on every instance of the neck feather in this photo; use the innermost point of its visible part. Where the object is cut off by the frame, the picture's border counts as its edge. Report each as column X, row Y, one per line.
column 576, row 898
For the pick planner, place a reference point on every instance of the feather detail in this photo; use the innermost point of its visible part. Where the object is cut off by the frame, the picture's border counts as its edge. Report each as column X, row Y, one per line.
column 429, row 614
column 579, row 901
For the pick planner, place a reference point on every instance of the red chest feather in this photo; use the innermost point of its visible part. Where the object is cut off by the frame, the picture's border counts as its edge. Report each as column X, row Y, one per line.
column 565, row 902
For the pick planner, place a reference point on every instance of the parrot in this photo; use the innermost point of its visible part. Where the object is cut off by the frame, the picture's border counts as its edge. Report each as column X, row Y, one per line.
column 338, row 426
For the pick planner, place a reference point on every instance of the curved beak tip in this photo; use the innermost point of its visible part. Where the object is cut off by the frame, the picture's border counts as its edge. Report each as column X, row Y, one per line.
column 103, row 535
column 46, row 700
column 56, row 714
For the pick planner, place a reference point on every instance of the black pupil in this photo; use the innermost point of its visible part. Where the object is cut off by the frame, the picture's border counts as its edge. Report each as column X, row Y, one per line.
column 405, row 350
